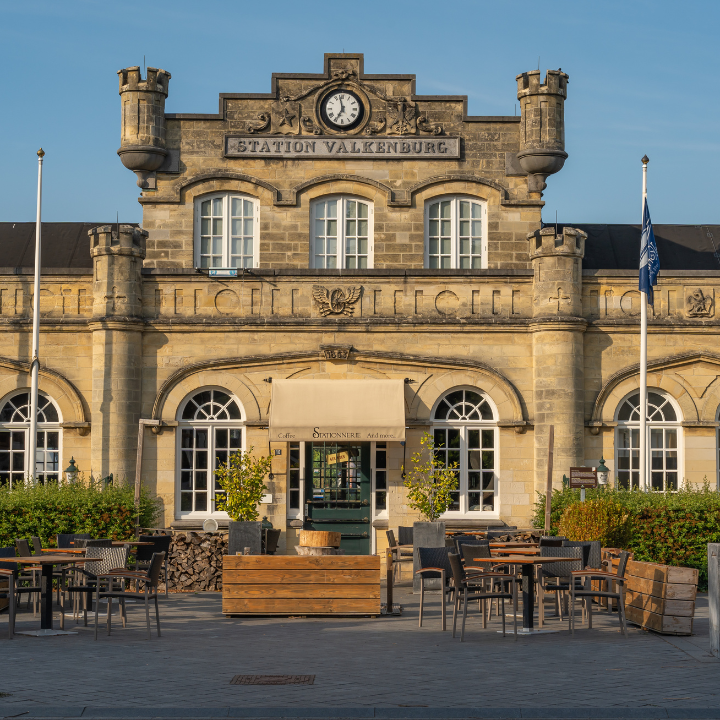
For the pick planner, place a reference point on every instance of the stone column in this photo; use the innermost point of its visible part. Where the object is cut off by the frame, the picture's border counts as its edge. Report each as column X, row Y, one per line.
column 117, row 253
column 558, row 352
column 714, row 596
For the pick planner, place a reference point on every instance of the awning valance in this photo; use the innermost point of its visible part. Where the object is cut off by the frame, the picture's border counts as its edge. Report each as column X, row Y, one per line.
column 337, row 410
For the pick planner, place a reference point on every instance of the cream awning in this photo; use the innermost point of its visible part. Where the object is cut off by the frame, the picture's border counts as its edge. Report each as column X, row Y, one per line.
column 337, row 410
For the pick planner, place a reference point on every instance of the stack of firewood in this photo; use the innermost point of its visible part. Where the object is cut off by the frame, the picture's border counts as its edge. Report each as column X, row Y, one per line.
column 195, row 561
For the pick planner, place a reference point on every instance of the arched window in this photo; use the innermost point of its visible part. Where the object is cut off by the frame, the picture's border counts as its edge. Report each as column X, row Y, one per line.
column 342, row 233
column 227, row 231
column 211, row 428
column 465, row 432
column 455, row 233
column 663, row 445
column 15, row 465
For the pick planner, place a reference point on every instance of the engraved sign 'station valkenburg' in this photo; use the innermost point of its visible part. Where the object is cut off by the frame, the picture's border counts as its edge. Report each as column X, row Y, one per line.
column 334, row 147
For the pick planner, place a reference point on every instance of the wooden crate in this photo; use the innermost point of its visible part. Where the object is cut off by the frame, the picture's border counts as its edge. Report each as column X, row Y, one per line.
column 302, row 585
column 660, row 597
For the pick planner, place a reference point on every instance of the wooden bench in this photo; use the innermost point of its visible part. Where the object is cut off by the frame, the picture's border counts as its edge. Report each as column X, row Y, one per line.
column 302, row 585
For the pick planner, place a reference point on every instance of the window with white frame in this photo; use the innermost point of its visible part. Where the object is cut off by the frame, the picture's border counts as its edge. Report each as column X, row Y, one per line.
column 296, row 479
column 379, row 476
column 663, row 445
column 227, row 231
column 15, row 465
column 455, row 233
column 342, row 233
column 210, row 429
column 466, row 435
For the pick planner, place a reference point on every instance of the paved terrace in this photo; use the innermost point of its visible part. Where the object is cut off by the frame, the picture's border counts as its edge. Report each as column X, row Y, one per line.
column 364, row 668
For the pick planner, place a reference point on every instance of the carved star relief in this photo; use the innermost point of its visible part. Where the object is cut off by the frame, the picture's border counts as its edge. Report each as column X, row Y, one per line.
column 286, row 118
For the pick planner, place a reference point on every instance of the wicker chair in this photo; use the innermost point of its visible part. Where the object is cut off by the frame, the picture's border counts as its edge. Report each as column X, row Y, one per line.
column 555, row 578
column 112, row 558
column 145, row 553
column 405, row 535
column 593, row 557
column 552, row 540
column 149, row 581
column 587, row 593
column 474, row 587
column 466, row 540
column 434, row 564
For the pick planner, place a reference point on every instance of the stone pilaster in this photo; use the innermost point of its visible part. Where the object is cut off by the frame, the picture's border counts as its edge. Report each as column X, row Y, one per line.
column 117, row 253
column 558, row 378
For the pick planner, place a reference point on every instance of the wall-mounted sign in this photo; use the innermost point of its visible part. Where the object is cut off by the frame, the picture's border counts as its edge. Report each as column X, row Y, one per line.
column 266, row 499
column 223, row 272
column 343, row 148
column 583, row 477
column 335, row 458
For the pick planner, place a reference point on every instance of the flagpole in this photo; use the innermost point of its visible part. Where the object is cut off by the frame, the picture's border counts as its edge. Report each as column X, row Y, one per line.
column 643, row 352
column 32, row 445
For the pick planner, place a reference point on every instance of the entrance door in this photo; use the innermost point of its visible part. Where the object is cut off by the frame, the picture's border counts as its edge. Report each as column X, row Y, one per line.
column 337, row 493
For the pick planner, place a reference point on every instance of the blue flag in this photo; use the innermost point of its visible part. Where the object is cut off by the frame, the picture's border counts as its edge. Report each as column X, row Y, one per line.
column 649, row 259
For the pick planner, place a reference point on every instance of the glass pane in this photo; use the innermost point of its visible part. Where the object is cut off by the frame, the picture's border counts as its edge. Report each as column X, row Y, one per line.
column 331, row 208
column 201, row 502
column 235, row 439
column 221, row 438
column 476, row 210
column 464, row 209
column 671, row 438
column 236, row 207
column 186, row 502
column 488, row 438
column 445, row 209
column 205, row 207
column 363, row 211
column 248, row 208
column 435, row 211
column 217, row 206
column 656, row 438
column 350, row 211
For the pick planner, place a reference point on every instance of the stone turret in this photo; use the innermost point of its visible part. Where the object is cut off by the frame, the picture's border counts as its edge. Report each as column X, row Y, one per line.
column 558, row 349
column 142, row 145
column 557, row 261
column 542, row 129
column 117, row 252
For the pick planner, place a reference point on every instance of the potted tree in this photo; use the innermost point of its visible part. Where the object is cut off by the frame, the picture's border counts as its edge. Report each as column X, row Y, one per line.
column 429, row 482
column 243, row 481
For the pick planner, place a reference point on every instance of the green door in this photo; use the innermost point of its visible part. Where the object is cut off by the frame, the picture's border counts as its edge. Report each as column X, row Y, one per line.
column 338, row 493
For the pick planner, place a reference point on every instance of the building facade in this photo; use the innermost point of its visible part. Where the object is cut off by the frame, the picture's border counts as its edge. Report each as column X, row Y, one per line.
column 327, row 271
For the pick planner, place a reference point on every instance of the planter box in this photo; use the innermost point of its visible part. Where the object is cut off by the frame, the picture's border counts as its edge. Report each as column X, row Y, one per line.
column 288, row 585
column 660, row 597
column 242, row 534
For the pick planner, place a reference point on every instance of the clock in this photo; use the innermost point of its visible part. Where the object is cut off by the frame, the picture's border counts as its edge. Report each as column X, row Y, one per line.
column 342, row 109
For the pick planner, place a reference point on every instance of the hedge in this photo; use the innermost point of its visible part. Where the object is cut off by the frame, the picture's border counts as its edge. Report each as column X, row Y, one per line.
column 668, row 528
column 46, row 510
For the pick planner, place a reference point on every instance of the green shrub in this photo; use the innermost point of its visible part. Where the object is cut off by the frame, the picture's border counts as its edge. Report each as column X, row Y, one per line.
column 602, row 519
column 46, row 510
column 667, row 528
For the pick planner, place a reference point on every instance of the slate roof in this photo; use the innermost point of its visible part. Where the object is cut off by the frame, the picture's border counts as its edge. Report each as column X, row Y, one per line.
column 64, row 244
column 681, row 247
column 608, row 247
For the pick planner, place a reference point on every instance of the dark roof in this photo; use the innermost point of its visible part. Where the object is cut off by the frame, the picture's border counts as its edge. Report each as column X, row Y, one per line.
column 680, row 247
column 64, row 244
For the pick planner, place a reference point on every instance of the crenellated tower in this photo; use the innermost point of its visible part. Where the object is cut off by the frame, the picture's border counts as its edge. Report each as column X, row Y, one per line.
column 558, row 349
column 142, row 143
column 542, row 128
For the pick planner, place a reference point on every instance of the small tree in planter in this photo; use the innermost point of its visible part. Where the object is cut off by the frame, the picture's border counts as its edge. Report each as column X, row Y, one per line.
column 243, row 481
column 429, row 483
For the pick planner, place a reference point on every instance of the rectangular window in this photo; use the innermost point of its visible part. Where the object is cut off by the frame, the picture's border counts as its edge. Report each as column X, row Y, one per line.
column 380, row 470
column 227, row 232
column 455, row 234
column 342, row 234
column 295, row 479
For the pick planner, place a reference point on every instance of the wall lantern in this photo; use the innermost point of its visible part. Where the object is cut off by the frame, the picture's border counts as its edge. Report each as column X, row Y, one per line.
column 603, row 473
column 71, row 471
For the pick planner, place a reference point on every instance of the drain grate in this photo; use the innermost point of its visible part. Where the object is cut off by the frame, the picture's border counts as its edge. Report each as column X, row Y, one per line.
column 273, row 680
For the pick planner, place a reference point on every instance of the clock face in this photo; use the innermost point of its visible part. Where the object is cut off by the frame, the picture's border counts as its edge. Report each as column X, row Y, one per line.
column 342, row 109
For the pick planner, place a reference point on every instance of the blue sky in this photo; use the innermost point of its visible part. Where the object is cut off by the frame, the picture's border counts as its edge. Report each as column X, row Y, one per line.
column 643, row 79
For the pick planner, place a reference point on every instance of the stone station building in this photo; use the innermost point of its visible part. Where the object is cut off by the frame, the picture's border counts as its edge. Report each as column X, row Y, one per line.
column 326, row 271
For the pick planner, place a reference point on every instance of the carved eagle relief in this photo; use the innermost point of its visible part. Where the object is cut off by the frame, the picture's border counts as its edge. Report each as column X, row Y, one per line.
column 336, row 301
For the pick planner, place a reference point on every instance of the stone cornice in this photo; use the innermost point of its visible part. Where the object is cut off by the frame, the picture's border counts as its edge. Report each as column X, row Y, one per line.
column 554, row 323
column 107, row 323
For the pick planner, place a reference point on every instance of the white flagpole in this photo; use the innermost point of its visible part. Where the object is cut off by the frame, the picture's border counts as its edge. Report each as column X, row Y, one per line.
column 32, row 445
column 643, row 354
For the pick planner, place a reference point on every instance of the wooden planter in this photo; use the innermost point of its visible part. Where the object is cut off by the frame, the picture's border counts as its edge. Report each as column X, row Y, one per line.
column 289, row 585
column 660, row 597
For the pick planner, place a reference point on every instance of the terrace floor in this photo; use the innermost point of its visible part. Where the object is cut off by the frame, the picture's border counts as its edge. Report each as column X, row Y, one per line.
column 363, row 667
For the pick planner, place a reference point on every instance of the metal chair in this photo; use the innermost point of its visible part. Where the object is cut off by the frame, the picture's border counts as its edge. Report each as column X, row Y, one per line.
column 473, row 587
column 466, row 540
column 149, row 580
column 405, row 535
column 65, row 540
column 592, row 558
column 555, row 578
column 9, row 572
column 100, row 542
column 30, row 574
column 145, row 553
column 434, row 564
column 587, row 593
column 112, row 558
column 37, row 545
column 399, row 554
column 552, row 540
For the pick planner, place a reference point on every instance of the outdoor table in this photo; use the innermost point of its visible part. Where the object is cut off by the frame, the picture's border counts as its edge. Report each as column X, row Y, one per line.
column 64, row 551
column 47, row 562
column 514, row 551
column 527, row 563
column 513, row 544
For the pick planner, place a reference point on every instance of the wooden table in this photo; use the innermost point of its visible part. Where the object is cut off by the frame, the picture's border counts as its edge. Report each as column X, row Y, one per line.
column 514, row 551
column 529, row 546
column 47, row 562
column 527, row 562
column 64, row 551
